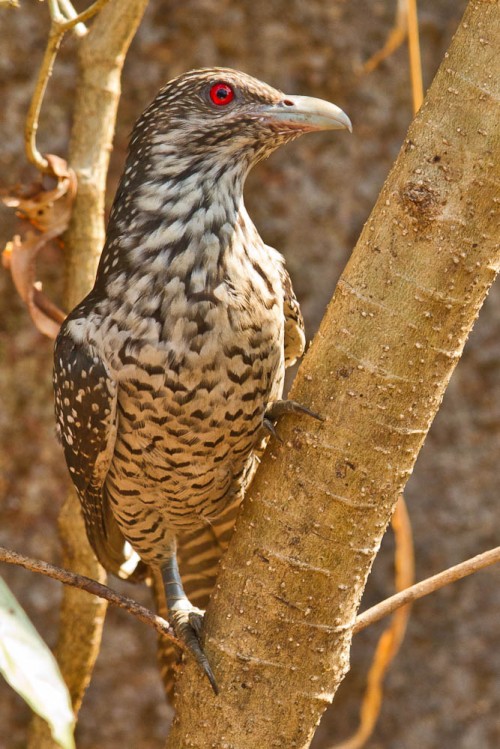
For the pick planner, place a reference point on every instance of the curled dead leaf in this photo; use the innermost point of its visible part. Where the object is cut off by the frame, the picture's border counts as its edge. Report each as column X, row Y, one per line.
column 49, row 211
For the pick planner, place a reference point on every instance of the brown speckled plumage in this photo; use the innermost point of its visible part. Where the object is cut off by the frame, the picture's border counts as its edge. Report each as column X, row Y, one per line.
column 164, row 372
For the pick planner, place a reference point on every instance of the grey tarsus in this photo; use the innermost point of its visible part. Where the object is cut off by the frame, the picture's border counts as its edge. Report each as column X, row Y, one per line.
column 186, row 619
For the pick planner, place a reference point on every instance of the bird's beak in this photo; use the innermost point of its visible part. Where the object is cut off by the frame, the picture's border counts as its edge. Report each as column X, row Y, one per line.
column 306, row 114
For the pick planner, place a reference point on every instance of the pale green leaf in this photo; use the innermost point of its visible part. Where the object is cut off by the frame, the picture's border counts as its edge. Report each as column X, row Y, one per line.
column 30, row 668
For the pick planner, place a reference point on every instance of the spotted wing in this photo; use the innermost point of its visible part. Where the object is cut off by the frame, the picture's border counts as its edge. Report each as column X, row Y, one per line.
column 85, row 405
column 295, row 339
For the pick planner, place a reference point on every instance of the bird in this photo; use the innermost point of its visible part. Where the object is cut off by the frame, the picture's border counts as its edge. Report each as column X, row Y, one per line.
column 168, row 376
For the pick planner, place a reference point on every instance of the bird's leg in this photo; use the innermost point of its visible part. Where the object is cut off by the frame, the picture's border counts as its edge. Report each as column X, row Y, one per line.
column 278, row 408
column 187, row 620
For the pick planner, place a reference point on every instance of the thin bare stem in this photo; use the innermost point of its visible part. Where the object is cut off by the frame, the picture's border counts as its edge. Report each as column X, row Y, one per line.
column 55, row 11
column 58, row 28
column 69, row 12
column 84, row 15
column 94, row 588
column 31, row 125
column 424, row 587
column 414, row 55
column 406, row 25
column 395, row 39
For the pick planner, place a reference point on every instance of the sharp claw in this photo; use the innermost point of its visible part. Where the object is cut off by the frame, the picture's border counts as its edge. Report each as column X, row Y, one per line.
column 279, row 408
column 269, row 427
column 187, row 625
column 308, row 412
column 210, row 676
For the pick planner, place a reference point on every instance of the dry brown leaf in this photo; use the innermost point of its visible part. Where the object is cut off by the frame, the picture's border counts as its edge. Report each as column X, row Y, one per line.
column 49, row 212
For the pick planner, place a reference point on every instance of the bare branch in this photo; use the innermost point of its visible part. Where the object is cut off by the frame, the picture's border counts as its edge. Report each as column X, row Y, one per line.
column 58, row 28
column 394, row 40
column 84, row 16
column 417, row 87
column 424, row 587
column 372, row 615
column 69, row 12
column 31, row 126
column 94, row 588
column 405, row 25
column 55, row 12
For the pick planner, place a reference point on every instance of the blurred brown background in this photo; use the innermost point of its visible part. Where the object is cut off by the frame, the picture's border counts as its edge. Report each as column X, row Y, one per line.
column 310, row 201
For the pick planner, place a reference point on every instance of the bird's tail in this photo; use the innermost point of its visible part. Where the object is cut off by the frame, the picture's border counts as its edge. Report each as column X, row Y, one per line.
column 108, row 543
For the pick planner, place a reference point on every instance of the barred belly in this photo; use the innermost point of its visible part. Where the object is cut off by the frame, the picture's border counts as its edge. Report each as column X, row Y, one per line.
column 188, row 428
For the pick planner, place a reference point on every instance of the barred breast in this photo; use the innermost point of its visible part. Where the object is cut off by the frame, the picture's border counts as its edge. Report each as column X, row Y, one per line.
column 193, row 387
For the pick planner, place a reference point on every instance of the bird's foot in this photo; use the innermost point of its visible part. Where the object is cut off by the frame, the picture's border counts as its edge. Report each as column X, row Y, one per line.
column 277, row 409
column 187, row 621
column 269, row 427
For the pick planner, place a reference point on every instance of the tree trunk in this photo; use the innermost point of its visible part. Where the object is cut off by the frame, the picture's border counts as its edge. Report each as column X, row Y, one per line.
column 102, row 55
column 279, row 625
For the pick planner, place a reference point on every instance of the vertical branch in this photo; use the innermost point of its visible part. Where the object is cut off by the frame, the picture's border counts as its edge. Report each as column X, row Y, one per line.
column 58, row 28
column 417, row 86
column 102, row 54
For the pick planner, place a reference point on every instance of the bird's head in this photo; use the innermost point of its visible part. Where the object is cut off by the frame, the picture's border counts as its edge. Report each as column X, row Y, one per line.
column 190, row 153
column 225, row 116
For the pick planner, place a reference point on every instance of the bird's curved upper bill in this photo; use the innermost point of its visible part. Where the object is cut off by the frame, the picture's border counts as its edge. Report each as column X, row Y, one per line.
column 306, row 113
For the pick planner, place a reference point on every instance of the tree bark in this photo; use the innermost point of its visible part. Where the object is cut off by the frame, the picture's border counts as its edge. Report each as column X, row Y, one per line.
column 102, row 54
column 279, row 624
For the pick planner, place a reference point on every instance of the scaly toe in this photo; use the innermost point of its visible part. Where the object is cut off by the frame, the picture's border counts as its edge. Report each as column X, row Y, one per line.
column 279, row 408
column 188, row 624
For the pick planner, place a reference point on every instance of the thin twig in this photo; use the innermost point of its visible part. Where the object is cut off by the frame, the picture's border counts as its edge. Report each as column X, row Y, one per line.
column 395, row 39
column 417, row 87
column 55, row 12
column 69, row 12
column 368, row 617
column 31, row 125
column 406, row 26
column 84, row 15
column 424, row 587
column 58, row 28
column 92, row 587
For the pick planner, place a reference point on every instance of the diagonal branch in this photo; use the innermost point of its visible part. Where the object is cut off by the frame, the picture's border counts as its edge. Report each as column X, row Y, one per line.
column 377, row 370
column 94, row 588
column 424, row 587
column 31, row 125
column 364, row 620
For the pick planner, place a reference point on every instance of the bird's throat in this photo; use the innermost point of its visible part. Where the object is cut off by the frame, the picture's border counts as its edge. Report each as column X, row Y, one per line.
column 184, row 221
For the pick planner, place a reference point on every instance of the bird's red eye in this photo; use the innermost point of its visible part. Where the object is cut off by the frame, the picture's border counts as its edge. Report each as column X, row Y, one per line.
column 221, row 94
